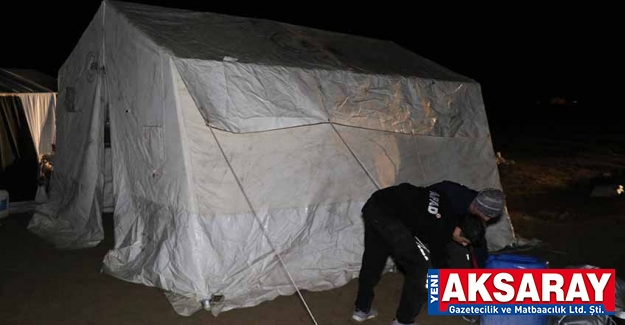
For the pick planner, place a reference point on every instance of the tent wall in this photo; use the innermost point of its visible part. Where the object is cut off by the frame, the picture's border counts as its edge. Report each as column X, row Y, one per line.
column 303, row 186
column 72, row 217
column 151, row 180
column 306, row 189
column 439, row 126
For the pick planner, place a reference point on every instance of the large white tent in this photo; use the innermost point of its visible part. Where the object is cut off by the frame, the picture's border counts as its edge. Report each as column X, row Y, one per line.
column 242, row 148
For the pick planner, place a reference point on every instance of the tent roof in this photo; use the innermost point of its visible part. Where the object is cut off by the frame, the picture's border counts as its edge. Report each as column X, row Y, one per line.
column 25, row 81
column 211, row 36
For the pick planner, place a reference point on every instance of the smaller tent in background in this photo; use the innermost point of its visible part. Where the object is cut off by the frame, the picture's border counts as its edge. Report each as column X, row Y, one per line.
column 27, row 129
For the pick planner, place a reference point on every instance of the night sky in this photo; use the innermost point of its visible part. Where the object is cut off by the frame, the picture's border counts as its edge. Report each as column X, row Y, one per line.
column 522, row 55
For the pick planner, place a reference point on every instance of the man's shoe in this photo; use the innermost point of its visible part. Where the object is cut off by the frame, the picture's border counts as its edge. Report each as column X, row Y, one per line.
column 396, row 322
column 361, row 316
column 473, row 319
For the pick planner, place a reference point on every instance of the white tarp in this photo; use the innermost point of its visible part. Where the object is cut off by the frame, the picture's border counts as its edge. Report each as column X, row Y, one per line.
column 215, row 164
column 40, row 109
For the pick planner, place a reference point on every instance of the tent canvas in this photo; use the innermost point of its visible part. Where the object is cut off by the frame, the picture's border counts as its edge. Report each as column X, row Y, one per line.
column 242, row 148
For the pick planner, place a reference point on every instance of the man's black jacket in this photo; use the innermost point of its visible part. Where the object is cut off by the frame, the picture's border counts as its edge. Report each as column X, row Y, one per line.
column 425, row 212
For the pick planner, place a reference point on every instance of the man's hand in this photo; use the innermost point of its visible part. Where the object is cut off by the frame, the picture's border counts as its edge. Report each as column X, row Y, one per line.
column 457, row 237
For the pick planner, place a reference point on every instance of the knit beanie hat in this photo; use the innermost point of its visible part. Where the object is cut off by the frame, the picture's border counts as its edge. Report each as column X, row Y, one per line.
column 490, row 202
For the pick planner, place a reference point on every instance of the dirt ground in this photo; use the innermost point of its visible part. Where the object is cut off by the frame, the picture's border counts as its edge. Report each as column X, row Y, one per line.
column 548, row 189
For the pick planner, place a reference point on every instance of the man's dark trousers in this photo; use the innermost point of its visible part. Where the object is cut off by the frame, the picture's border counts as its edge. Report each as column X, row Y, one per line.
column 384, row 237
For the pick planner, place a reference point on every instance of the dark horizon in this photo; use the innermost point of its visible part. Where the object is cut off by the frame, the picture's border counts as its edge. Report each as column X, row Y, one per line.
column 533, row 64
